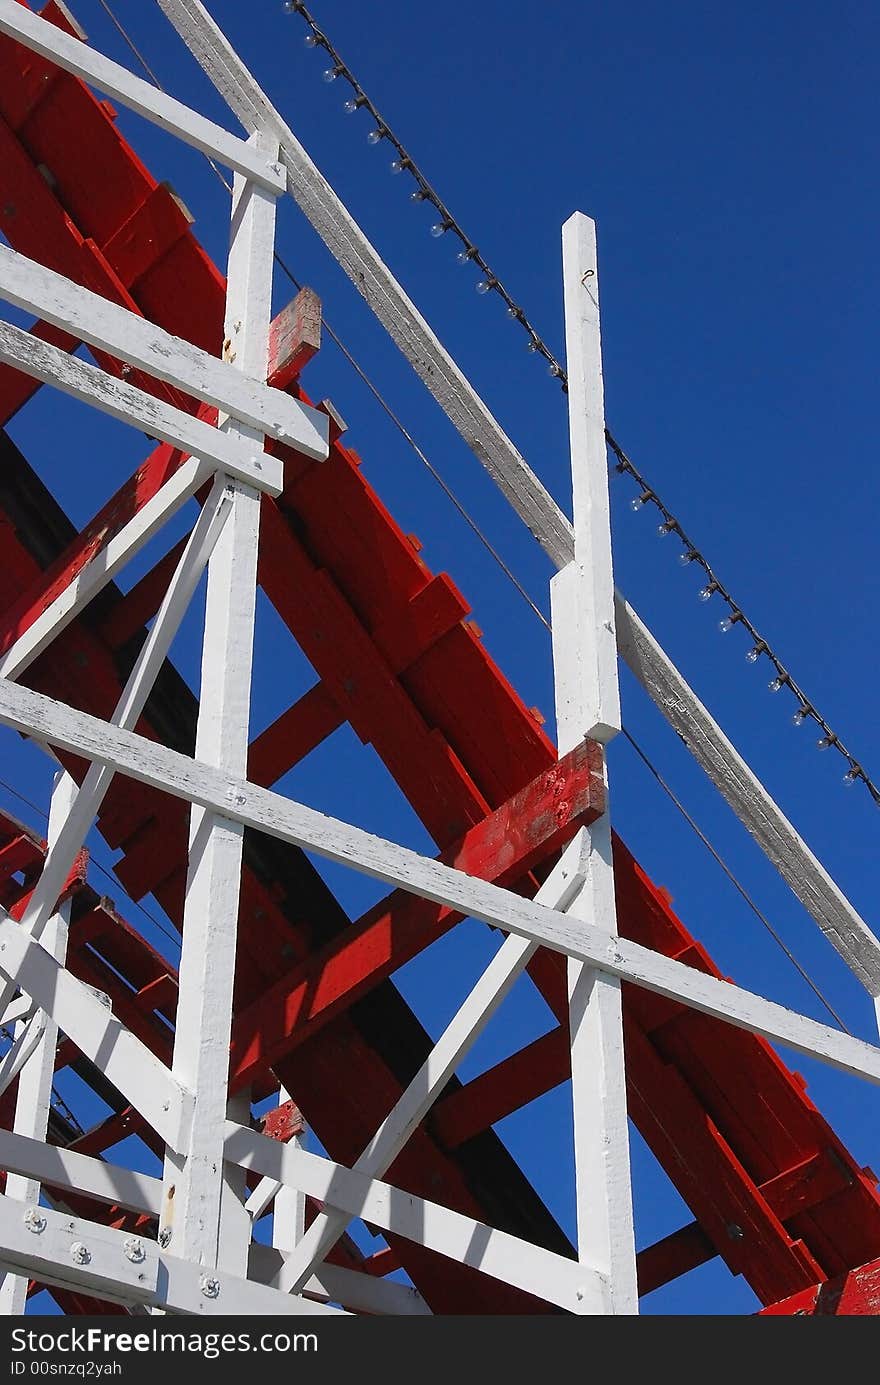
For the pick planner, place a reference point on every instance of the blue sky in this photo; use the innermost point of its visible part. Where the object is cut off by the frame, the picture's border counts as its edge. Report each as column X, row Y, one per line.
column 726, row 154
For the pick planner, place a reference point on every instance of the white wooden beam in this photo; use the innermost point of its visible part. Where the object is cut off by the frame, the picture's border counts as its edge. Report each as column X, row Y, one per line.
column 147, row 100
column 129, row 337
column 841, row 924
column 103, row 566
column 34, row 1096
column 97, row 1033
column 559, row 889
column 355, row 1290
column 588, row 704
column 375, row 282
column 38, row 1162
column 194, row 1177
column 59, row 1249
column 496, row 1253
column 130, row 405
column 233, row 797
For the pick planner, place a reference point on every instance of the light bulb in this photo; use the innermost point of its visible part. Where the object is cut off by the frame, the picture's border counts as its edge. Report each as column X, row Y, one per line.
column 799, row 717
column 684, row 558
column 553, row 369
column 289, row 7
column 463, row 256
column 397, row 165
column 663, row 530
column 725, row 625
column 850, row 777
column 705, row 593
column 438, row 229
column 483, row 285
column 824, row 742
column 533, row 345
column 330, row 74
column 310, row 41
column 512, row 312
column 350, row 106
column 417, row 195
column 636, row 503
column 752, row 655
column 776, row 685
column 374, row 136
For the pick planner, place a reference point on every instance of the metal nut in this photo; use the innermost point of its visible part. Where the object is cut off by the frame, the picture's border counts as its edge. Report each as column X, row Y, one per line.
column 34, row 1220
column 80, row 1254
column 134, row 1250
column 209, row 1286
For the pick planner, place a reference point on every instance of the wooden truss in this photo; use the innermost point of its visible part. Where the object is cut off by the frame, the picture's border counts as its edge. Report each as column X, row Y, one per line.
column 237, row 430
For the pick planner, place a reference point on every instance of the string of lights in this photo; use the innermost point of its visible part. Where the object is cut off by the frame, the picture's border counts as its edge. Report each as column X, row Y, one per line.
column 489, row 282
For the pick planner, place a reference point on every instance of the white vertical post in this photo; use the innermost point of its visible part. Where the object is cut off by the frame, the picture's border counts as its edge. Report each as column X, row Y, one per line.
column 588, row 704
column 35, row 1081
column 289, row 1213
column 197, row 1191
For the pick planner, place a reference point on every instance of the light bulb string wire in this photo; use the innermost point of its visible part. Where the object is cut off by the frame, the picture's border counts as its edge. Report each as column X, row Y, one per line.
column 424, row 191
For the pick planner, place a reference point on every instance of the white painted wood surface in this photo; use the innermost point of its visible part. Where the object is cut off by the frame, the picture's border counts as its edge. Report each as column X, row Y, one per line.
column 357, row 1291
column 375, row 282
column 39, row 1162
column 140, row 96
column 466, row 1025
column 194, row 1178
column 130, row 405
column 75, row 1008
column 841, row 924
column 126, row 336
column 588, row 704
column 496, row 1253
column 109, row 1270
column 34, row 1096
column 62, row 726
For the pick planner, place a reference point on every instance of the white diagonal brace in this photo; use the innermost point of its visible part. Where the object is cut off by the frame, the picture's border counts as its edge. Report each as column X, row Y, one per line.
column 132, row 1068
column 233, row 797
column 130, row 337
column 537, row 1271
column 588, row 704
column 140, row 96
column 85, row 1256
column 87, row 800
column 559, row 890
column 375, row 282
column 103, row 566
column 34, row 1096
column 153, row 416
column 841, row 924
column 194, row 1217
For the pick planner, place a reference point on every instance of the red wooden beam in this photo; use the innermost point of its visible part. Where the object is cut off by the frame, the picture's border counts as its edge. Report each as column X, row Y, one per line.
column 855, row 1294
column 530, row 828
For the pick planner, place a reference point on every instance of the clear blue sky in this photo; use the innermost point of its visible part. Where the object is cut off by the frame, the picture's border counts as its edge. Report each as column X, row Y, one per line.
column 726, row 154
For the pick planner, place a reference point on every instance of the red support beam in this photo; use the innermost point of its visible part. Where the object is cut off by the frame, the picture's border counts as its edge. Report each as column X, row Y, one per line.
column 532, row 827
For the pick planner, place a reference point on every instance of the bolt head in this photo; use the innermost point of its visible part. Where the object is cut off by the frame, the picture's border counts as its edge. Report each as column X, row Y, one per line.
column 80, row 1253
column 134, row 1250
column 209, row 1286
column 34, row 1220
